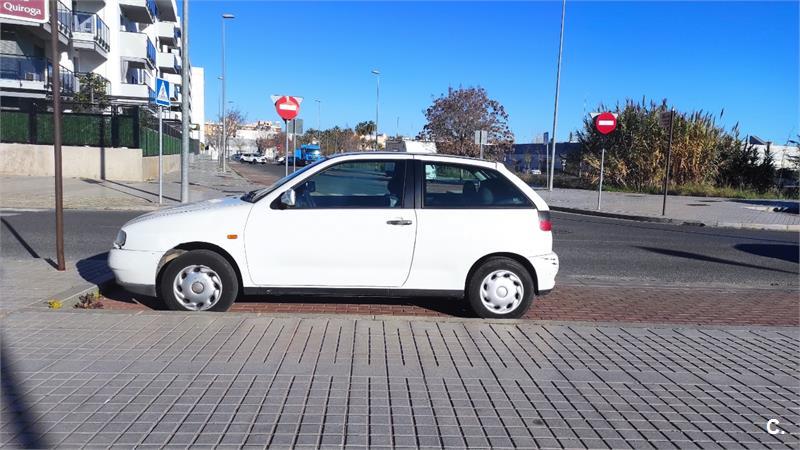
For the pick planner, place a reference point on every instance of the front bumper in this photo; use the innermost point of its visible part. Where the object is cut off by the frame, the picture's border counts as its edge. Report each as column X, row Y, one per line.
column 135, row 270
column 546, row 267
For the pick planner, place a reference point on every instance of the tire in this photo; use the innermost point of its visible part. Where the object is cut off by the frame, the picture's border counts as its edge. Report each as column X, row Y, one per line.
column 500, row 288
column 218, row 285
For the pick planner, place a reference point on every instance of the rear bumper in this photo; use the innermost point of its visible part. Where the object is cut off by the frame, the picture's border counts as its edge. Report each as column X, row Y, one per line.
column 135, row 270
column 546, row 267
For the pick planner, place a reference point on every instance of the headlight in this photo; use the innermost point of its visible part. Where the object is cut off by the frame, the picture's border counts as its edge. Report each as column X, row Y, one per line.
column 120, row 240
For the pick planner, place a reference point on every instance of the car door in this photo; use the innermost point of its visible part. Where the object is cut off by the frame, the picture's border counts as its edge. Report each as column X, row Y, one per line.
column 466, row 212
column 353, row 225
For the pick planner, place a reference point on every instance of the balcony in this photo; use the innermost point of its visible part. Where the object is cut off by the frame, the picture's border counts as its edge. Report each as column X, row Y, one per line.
column 137, row 49
column 32, row 73
column 142, row 11
column 167, row 10
column 140, row 92
column 67, row 79
column 168, row 34
column 169, row 62
column 91, row 33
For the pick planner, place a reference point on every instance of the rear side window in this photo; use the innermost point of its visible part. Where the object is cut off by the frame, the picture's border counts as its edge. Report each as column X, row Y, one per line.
column 467, row 187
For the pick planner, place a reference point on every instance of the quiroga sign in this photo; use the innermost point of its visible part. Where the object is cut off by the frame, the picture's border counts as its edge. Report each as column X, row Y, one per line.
column 34, row 11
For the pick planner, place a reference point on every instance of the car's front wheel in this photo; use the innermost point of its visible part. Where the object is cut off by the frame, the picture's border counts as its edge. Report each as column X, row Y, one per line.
column 199, row 280
column 500, row 288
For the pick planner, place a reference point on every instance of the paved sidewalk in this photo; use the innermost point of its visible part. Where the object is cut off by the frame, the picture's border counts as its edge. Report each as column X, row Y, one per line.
column 710, row 211
column 207, row 380
column 205, row 182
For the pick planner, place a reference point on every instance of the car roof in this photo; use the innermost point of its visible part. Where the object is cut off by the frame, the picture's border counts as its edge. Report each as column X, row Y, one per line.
column 421, row 155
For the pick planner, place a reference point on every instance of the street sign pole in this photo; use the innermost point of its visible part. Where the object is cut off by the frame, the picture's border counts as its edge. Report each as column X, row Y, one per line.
column 669, row 156
column 56, row 83
column 160, row 155
column 286, row 149
column 602, row 167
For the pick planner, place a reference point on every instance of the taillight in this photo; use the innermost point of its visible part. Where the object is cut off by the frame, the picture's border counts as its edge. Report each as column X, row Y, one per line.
column 544, row 221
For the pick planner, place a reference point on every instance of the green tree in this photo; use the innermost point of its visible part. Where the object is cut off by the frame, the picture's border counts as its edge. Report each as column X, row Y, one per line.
column 92, row 93
column 454, row 117
column 365, row 128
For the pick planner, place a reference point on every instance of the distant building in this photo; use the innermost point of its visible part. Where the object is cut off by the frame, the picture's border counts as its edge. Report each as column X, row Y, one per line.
column 536, row 156
column 782, row 155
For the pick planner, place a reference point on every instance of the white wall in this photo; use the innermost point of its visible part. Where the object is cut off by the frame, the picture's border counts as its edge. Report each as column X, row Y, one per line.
column 199, row 102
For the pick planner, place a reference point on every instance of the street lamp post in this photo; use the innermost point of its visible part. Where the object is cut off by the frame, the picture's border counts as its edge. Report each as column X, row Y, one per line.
column 224, row 81
column 319, row 123
column 377, row 74
column 558, row 86
column 219, row 138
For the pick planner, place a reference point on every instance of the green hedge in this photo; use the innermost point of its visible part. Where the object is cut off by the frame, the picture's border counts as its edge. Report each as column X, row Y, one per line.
column 14, row 126
column 149, row 143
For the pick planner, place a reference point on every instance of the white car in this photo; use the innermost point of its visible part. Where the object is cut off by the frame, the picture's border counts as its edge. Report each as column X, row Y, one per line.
column 377, row 223
column 259, row 159
column 248, row 158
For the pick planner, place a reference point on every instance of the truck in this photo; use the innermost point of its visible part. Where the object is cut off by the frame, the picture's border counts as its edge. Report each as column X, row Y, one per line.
column 307, row 154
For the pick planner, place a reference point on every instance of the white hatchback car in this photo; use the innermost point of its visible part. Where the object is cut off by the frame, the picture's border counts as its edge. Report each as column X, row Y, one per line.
column 368, row 224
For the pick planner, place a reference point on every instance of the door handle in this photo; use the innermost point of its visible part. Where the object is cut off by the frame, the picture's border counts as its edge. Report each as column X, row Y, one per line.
column 399, row 222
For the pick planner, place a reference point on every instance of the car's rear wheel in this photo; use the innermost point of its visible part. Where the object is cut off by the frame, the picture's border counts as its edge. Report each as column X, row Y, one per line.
column 500, row 288
column 199, row 280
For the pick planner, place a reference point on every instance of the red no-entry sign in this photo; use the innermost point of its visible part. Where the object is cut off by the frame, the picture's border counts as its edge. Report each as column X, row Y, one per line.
column 605, row 122
column 288, row 107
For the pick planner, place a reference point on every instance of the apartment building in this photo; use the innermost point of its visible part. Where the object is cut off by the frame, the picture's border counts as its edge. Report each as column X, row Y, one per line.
column 126, row 42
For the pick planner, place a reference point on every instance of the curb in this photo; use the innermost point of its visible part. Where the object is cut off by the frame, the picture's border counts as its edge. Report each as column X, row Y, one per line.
column 69, row 297
column 698, row 223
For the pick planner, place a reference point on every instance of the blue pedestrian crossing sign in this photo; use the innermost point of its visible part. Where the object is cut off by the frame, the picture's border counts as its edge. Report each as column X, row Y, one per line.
column 162, row 92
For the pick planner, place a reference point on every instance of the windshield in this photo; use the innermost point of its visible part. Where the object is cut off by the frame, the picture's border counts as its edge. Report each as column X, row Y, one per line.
column 258, row 194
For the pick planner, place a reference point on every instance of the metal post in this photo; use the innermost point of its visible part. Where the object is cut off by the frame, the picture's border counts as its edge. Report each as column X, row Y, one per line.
column 185, row 108
column 669, row 156
column 377, row 74
column 558, row 87
column 56, row 83
column 224, row 105
column 294, row 145
column 160, row 155
column 286, row 149
column 602, row 167
column 481, row 150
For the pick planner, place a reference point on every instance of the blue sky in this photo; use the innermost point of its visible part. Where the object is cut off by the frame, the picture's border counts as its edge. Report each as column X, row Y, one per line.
column 740, row 56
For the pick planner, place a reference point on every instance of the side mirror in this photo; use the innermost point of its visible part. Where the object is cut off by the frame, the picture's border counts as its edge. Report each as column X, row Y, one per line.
column 288, row 198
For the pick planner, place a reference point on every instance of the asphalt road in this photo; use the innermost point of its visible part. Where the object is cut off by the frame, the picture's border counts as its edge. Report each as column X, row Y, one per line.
column 593, row 250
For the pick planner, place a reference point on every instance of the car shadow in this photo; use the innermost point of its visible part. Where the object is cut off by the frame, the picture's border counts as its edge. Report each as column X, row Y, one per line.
column 94, row 269
column 790, row 253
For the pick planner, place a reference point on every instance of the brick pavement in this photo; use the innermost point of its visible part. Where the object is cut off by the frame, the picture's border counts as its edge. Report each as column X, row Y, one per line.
column 565, row 303
column 203, row 380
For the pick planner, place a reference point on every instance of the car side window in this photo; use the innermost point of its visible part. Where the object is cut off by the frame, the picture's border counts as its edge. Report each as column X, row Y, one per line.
column 354, row 184
column 460, row 186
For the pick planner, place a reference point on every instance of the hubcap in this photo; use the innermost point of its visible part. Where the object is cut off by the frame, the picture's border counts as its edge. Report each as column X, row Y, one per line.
column 197, row 287
column 501, row 292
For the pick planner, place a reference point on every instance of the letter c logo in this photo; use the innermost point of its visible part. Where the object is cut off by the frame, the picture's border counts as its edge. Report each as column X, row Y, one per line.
column 772, row 427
